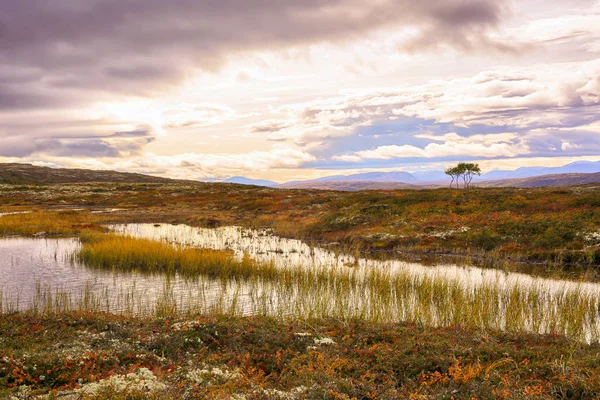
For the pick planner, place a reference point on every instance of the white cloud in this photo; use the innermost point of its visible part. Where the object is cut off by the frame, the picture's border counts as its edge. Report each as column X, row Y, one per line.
column 225, row 105
column 451, row 145
column 542, row 96
column 569, row 146
column 194, row 165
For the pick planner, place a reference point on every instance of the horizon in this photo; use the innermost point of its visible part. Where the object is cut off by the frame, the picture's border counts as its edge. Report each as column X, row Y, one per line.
column 415, row 174
column 300, row 90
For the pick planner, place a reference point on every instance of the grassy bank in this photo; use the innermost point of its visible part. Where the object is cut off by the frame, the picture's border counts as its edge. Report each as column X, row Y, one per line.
column 49, row 223
column 263, row 358
column 322, row 333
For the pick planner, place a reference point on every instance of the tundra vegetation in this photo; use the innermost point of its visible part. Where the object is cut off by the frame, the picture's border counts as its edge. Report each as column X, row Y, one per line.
column 559, row 228
column 327, row 333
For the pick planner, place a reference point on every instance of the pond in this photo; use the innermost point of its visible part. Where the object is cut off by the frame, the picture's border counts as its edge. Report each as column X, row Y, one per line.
column 263, row 246
column 41, row 274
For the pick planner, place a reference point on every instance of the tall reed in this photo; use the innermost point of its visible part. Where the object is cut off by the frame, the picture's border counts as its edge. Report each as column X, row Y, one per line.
column 223, row 284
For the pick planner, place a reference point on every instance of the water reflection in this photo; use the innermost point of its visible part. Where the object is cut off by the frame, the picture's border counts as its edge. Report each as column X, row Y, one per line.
column 41, row 274
column 264, row 246
column 35, row 271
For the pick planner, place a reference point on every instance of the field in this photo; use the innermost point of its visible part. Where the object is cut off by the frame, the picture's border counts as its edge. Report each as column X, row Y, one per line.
column 450, row 343
column 261, row 358
column 500, row 227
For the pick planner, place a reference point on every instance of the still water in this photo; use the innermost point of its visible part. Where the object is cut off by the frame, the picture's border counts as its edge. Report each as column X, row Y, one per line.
column 41, row 274
column 263, row 246
column 33, row 271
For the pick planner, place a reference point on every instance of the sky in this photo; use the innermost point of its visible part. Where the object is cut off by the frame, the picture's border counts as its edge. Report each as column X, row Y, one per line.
column 298, row 89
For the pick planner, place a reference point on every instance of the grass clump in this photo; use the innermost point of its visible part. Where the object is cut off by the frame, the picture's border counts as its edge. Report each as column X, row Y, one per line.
column 123, row 253
column 49, row 223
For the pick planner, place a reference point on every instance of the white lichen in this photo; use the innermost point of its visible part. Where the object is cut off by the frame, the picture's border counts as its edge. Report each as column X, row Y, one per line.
column 324, row 341
column 186, row 325
column 302, row 334
column 207, row 375
column 143, row 380
column 592, row 237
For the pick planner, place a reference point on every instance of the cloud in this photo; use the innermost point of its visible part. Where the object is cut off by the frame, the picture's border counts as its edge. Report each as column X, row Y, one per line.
column 198, row 165
column 499, row 113
column 228, row 163
column 533, row 104
column 463, row 25
column 445, row 146
column 136, row 47
column 119, row 144
column 14, row 96
column 72, row 73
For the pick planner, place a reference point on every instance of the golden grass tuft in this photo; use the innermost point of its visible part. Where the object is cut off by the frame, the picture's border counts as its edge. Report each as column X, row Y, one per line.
column 110, row 251
column 51, row 223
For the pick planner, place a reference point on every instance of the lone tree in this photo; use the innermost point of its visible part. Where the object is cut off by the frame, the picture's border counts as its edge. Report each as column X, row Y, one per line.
column 454, row 173
column 466, row 171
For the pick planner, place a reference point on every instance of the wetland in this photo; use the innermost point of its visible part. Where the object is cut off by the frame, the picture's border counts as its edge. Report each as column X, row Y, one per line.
column 417, row 270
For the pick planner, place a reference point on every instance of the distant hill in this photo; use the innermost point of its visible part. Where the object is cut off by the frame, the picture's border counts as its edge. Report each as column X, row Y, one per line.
column 27, row 173
column 422, row 178
column 339, row 181
column 430, row 176
column 247, row 181
column 348, row 186
column 545, row 180
column 582, row 167
column 536, row 181
column 393, row 176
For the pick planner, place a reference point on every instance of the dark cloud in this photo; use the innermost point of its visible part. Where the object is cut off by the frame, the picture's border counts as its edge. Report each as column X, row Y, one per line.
column 15, row 97
column 122, row 45
column 115, row 145
column 142, row 72
column 463, row 25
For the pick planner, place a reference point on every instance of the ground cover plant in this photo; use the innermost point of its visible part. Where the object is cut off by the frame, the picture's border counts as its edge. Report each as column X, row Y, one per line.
column 558, row 228
column 330, row 334
column 91, row 355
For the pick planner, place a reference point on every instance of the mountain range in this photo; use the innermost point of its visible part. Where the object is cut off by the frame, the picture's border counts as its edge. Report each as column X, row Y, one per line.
column 247, row 181
column 545, row 180
column 399, row 179
column 577, row 173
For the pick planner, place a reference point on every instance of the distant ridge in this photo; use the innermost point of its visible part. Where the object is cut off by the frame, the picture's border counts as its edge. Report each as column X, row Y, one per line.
column 352, row 186
column 27, row 173
column 392, row 176
column 376, row 180
column 545, row 180
column 580, row 167
column 247, row 181
column 14, row 173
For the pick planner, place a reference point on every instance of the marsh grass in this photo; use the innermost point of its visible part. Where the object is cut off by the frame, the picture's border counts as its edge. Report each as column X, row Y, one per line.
column 123, row 253
column 9, row 304
column 219, row 283
column 50, row 223
column 377, row 296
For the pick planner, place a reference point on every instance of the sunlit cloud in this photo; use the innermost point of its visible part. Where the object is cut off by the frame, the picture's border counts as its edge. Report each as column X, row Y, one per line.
column 278, row 90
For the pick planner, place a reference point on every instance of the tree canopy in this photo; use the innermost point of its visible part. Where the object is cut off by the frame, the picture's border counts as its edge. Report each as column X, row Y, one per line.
column 464, row 171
